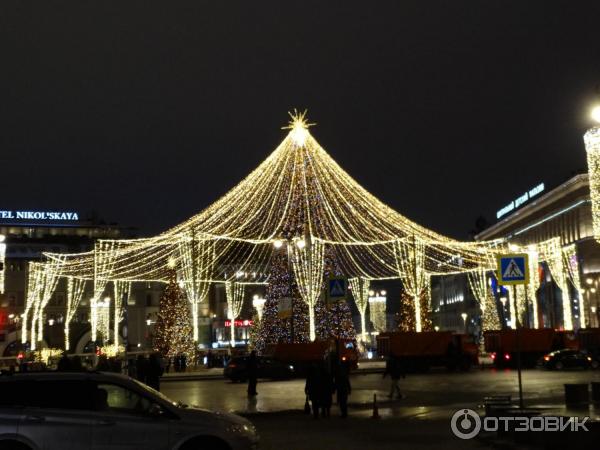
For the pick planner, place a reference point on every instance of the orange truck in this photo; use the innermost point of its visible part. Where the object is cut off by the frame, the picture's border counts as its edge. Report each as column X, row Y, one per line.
column 418, row 351
column 301, row 355
column 502, row 345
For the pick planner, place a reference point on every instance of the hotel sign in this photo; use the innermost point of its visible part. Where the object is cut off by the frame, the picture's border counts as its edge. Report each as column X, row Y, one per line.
column 40, row 215
column 520, row 200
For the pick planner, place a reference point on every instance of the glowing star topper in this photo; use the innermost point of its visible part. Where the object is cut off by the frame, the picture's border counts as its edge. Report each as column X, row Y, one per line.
column 299, row 127
column 596, row 113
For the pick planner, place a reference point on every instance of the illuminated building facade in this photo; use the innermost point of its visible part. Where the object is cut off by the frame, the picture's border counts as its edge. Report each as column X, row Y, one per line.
column 564, row 212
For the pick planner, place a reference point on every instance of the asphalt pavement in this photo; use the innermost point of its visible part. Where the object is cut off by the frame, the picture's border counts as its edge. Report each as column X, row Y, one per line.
column 420, row 420
column 425, row 393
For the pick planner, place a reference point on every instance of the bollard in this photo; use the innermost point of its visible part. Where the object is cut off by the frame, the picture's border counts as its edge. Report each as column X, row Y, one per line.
column 375, row 408
column 576, row 394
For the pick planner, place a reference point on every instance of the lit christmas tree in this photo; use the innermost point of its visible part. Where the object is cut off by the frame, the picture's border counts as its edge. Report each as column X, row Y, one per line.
column 426, row 322
column 271, row 328
column 405, row 317
column 173, row 330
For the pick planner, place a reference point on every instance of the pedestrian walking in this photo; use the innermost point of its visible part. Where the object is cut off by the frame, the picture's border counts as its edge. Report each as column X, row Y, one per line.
column 313, row 388
column 153, row 372
column 252, row 369
column 343, row 388
column 141, row 368
column 394, row 369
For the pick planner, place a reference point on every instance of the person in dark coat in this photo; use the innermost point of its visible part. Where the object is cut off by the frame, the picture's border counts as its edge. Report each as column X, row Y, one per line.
column 154, row 372
column 343, row 388
column 394, row 369
column 252, row 369
column 140, row 368
column 64, row 364
column 327, row 389
column 313, row 388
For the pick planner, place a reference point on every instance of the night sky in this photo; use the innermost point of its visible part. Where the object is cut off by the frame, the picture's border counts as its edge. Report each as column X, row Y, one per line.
column 147, row 112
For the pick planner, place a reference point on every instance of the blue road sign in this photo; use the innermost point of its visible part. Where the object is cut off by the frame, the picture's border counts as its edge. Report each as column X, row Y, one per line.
column 337, row 288
column 513, row 269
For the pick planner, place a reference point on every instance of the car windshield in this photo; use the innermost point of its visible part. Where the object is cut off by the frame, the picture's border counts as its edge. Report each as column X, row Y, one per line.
column 158, row 394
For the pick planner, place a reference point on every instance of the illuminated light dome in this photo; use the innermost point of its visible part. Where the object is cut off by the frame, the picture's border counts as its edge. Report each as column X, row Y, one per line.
column 297, row 191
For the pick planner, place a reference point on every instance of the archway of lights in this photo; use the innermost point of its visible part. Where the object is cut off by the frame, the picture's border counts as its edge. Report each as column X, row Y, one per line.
column 297, row 199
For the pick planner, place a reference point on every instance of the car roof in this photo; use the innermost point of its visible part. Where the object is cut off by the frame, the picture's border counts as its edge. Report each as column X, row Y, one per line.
column 100, row 376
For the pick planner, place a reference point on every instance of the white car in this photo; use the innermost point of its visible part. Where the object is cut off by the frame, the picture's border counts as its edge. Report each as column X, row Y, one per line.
column 102, row 411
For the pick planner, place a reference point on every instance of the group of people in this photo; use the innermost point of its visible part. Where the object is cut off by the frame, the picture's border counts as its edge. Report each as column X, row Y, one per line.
column 322, row 383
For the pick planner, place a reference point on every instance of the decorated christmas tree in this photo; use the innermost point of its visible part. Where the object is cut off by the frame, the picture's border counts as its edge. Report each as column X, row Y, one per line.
column 426, row 323
column 405, row 318
column 173, row 330
column 273, row 329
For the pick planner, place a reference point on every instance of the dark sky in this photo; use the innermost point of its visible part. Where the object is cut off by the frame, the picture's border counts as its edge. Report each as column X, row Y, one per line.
column 149, row 111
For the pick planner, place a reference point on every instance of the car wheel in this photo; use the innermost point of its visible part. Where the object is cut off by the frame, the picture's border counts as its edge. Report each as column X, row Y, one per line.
column 594, row 364
column 205, row 443
column 559, row 365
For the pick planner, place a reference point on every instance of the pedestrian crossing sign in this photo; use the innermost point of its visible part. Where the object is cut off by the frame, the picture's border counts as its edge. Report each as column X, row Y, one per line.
column 337, row 289
column 513, row 269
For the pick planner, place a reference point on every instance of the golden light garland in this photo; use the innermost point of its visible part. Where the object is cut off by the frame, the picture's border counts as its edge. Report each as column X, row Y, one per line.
column 534, row 282
column 308, row 264
column 196, row 257
column 100, row 319
column 235, row 302
column 378, row 312
column 122, row 291
column 572, row 264
column 360, row 291
column 35, row 274
column 46, row 283
column 551, row 253
column 592, row 146
column 75, row 291
column 298, row 190
column 410, row 263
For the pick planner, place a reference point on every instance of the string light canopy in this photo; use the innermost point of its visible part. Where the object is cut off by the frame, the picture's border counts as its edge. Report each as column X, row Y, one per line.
column 297, row 194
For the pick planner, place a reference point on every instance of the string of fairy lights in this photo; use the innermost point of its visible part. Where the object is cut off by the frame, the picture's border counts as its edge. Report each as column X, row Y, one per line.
column 297, row 194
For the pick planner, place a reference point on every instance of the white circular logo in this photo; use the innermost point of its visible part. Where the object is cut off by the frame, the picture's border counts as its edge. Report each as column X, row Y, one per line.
column 465, row 424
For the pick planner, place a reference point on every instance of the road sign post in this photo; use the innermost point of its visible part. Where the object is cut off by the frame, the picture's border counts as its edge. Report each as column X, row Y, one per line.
column 513, row 270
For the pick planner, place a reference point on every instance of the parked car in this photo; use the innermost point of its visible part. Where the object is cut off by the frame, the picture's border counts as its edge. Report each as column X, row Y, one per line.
column 77, row 411
column 237, row 369
column 565, row 359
